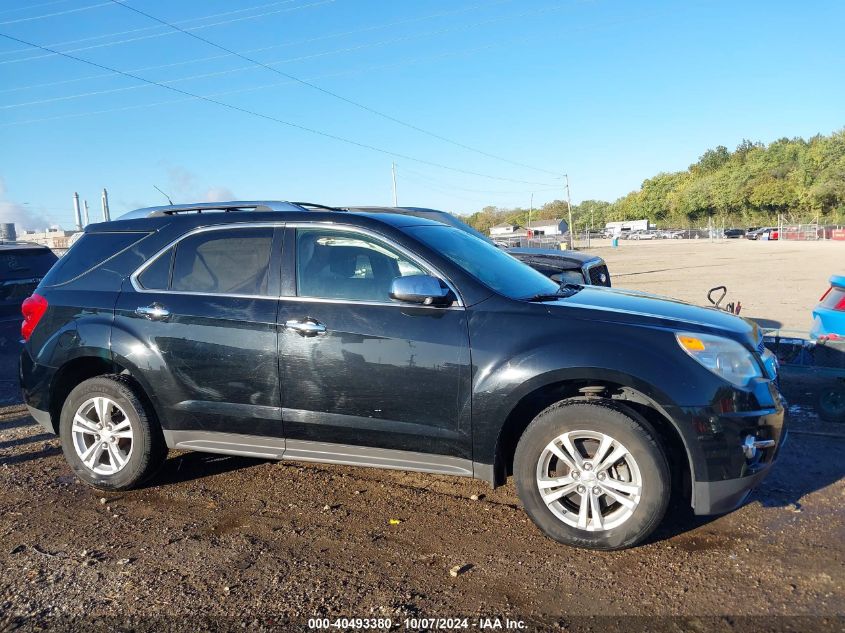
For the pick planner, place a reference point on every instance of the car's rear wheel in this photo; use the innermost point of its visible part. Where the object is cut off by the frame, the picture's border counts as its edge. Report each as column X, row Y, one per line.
column 592, row 476
column 109, row 438
column 831, row 404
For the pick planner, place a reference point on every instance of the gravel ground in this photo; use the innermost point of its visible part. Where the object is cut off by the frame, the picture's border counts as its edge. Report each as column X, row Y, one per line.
column 225, row 543
column 224, row 536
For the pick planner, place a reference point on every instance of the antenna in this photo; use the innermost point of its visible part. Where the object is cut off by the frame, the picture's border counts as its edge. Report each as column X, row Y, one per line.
column 164, row 194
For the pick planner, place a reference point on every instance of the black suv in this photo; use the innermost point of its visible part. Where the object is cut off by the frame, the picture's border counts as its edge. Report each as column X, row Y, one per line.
column 22, row 266
column 279, row 330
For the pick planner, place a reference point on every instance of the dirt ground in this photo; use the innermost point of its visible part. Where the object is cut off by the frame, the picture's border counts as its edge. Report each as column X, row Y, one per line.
column 226, row 543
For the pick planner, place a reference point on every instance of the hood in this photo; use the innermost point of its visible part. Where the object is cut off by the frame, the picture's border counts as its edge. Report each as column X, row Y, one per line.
column 551, row 256
column 630, row 306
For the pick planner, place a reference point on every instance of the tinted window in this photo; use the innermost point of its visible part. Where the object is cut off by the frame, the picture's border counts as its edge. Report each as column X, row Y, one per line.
column 90, row 250
column 481, row 259
column 157, row 274
column 234, row 261
column 25, row 263
column 339, row 265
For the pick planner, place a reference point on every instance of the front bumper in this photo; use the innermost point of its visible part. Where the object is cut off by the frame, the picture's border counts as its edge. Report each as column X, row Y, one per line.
column 718, row 497
column 723, row 472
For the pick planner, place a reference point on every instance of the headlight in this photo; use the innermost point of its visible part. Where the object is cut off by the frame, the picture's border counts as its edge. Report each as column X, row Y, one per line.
column 724, row 357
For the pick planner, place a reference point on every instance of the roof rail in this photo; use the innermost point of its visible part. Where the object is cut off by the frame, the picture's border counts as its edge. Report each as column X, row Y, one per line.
column 226, row 207
column 317, row 207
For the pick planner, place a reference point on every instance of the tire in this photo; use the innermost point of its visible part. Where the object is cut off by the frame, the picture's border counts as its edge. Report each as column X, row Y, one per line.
column 624, row 519
column 831, row 405
column 133, row 448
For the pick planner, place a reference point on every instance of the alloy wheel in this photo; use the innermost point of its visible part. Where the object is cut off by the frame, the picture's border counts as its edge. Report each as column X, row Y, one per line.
column 102, row 435
column 589, row 480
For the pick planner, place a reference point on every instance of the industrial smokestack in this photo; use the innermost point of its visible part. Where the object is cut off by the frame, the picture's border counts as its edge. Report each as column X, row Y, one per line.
column 7, row 232
column 105, row 202
column 87, row 219
column 76, row 212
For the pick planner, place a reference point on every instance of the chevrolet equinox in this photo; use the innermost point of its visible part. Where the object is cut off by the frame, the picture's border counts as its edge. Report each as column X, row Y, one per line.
column 285, row 330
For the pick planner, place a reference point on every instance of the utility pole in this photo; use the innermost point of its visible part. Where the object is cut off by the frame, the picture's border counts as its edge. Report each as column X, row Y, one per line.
column 77, row 215
column 530, row 209
column 569, row 209
column 395, row 197
column 104, row 200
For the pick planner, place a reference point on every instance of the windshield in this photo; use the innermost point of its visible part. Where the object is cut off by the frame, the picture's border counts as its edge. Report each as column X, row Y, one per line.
column 490, row 265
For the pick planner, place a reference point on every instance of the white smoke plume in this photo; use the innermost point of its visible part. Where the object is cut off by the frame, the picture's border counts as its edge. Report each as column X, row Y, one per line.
column 21, row 215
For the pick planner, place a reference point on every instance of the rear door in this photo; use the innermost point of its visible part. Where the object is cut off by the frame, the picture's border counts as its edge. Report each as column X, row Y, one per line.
column 359, row 369
column 199, row 323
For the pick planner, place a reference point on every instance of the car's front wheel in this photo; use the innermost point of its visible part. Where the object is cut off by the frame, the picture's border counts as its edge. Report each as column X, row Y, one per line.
column 592, row 476
column 108, row 436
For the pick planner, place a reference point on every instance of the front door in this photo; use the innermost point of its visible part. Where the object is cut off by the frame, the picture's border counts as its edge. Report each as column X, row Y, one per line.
column 199, row 324
column 359, row 369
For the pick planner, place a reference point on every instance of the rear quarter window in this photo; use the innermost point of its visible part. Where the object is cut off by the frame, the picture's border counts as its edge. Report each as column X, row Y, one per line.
column 88, row 252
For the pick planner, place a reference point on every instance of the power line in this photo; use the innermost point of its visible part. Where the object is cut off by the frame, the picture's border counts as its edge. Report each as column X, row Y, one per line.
column 51, row 15
column 285, row 44
column 148, row 28
column 271, row 118
column 335, row 95
column 146, row 37
column 33, row 6
column 274, row 84
column 229, row 71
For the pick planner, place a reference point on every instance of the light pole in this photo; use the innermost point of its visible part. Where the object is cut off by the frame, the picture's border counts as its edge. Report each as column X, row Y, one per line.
column 569, row 209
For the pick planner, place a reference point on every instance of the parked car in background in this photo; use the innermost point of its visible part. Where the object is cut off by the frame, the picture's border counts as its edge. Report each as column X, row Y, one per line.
column 829, row 314
column 763, row 233
column 733, row 234
column 282, row 330
column 670, row 234
column 563, row 266
column 22, row 266
column 643, row 235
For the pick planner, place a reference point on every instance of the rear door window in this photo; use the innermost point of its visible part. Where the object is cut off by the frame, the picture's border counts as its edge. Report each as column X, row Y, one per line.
column 157, row 275
column 231, row 261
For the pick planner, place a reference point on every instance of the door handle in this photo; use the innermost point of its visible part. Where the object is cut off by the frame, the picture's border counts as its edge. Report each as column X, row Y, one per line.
column 153, row 312
column 306, row 327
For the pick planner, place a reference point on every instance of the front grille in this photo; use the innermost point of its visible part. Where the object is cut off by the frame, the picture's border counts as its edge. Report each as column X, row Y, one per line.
column 599, row 275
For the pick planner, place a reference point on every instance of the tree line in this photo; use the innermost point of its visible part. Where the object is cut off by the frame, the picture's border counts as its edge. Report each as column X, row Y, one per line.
column 802, row 180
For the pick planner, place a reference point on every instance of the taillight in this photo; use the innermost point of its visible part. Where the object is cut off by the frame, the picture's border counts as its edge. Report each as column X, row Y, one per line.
column 33, row 308
column 840, row 305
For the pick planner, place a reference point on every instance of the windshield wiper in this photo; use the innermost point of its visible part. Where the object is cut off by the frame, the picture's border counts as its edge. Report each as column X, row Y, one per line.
column 565, row 290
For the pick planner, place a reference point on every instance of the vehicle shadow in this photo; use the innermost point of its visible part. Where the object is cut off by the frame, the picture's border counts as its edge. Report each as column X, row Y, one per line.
column 808, row 463
column 30, row 439
column 17, row 423
column 190, row 466
column 48, row 451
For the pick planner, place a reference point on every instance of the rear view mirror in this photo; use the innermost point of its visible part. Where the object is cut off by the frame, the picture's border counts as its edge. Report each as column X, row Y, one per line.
column 422, row 289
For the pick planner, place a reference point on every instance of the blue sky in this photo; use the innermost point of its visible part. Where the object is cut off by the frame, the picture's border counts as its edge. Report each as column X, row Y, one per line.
column 609, row 92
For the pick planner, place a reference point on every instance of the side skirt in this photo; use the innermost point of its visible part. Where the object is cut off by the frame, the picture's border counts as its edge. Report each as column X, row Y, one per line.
column 325, row 453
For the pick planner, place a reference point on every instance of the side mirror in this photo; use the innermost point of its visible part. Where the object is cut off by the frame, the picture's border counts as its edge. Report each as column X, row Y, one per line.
column 422, row 289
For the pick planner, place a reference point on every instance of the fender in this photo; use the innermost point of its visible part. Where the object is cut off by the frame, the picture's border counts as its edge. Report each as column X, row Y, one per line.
column 140, row 360
column 579, row 351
